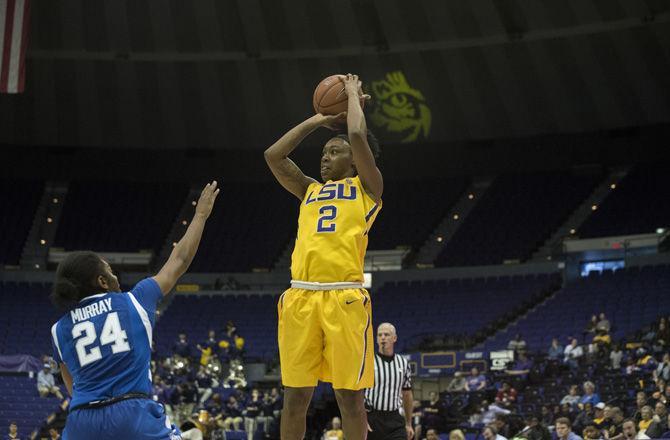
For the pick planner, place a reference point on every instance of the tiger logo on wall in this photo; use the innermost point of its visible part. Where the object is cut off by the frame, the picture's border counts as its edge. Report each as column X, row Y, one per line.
column 400, row 109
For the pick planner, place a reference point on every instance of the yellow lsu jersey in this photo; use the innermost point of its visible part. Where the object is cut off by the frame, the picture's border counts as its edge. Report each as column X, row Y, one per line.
column 335, row 218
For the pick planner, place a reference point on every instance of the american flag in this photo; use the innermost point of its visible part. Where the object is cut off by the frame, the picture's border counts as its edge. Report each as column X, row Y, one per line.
column 14, row 15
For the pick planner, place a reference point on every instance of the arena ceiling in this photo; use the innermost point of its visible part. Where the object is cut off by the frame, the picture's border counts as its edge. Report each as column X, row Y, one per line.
column 237, row 73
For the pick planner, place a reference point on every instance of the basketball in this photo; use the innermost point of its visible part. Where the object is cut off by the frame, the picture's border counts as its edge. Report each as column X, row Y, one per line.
column 330, row 98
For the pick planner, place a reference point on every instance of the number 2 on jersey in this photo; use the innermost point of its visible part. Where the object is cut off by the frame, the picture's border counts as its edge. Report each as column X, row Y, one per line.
column 112, row 333
column 327, row 214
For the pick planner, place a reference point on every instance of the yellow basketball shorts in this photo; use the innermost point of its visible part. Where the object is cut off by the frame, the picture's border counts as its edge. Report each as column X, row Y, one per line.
column 326, row 335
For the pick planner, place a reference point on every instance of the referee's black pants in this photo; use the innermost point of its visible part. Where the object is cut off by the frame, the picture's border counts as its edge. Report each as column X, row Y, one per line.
column 386, row 425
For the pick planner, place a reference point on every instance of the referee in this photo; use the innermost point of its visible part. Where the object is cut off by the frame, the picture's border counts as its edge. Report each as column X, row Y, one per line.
column 393, row 388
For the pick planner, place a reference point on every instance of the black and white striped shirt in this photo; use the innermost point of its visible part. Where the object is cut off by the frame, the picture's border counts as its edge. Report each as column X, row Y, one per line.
column 392, row 375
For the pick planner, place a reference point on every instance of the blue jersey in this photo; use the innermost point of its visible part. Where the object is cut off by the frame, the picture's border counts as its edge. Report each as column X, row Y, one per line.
column 105, row 342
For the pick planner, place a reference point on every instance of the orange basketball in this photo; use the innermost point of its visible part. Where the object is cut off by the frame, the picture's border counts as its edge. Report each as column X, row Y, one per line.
column 330, row 98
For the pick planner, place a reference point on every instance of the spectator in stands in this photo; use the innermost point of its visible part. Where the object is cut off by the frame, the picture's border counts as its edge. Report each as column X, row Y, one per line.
column 584, row 418
column 456, row 434
column 267, row 415
column 567, row 411
column 564, row 430
column 640, row 402
column 431, row 434
column 433, row 412
column 590, row 395
column 547, row 416
column 204, row 384
column 234, row 340
column 215, row 407
column 663, row 369
column 645, row 361
column 659, row 425
column 46, row 383
column 335, row 432
column 489, row 412
column 517, row 344
column 647, row 417
column 630, row 431
column 491, row 433
column 501, row 423
column 572, row 353
column 521, row 366
column 277, row 402
column 616, row 355
column 555, row 351
column 534, row 430
column 417, row 416
column 591, row 433
column 46, row 359
column 476, row 381
column 603, row 324
column 182, row 347
column 631, row 366
column 457, row 384
column 663, row 333
column 591, row 326
column 572, row 398
column 183, row 400
column 251, row 412
column 212, row 343
column 160, row 390
column 53, row 434
column 600, row 416
column 233, row 412
column 615, row 427
column 666, row 434
column 601, row 341
column 506, row 395
column 13, row 433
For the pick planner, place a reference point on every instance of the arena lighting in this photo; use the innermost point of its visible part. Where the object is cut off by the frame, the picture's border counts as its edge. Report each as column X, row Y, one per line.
column 471, row 196
column 55, row 200
column 49, row 220
column 455, row 216
column 174, row 243
column 43, row 242
column 184, row 222
column 660, row 230
column 37, row 266
column 194, row 203
column 439, row 239
column 613, row 186
column 572, row 231
column 594, row 207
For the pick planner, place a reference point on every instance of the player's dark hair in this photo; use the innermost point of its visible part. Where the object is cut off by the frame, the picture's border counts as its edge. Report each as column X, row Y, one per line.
column 75, row 279
column 372, row 142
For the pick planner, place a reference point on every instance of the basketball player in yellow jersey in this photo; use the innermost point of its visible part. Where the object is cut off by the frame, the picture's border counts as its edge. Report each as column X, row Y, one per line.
column 325, row 322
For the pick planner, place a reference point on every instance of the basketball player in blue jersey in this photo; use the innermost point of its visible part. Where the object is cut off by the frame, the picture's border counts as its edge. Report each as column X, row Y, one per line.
column 103, row 342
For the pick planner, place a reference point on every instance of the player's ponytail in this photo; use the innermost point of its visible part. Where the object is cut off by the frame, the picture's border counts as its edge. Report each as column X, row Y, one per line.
column 75, row 279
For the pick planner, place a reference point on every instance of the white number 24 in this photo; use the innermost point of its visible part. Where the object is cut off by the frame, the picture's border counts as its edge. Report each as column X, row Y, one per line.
column 112, row 333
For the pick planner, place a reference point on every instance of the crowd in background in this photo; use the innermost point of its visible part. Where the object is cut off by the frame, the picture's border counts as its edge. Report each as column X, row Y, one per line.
column 204, row 391
column 491, row 405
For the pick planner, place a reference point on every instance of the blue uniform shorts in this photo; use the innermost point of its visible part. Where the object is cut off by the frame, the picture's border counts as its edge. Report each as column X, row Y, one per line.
column 136, row 419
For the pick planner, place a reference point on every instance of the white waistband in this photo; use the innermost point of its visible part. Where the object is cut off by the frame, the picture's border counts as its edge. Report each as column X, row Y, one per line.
column 312, row 285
